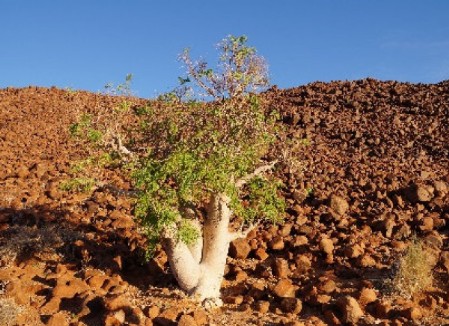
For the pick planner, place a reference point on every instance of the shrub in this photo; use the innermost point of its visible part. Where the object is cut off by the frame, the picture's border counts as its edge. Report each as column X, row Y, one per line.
column 206, row 167
column 414, row 273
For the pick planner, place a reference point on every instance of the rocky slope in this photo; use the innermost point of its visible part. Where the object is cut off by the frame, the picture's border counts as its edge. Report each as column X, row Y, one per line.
column 371, row 174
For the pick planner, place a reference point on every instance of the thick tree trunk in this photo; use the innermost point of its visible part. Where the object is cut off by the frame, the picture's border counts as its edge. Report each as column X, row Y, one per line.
column 198, row 274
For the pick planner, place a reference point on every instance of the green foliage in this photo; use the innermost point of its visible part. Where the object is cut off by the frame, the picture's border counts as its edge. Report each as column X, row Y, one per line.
column 77, row 184
column 83, row 128
column 143, row 110
column 201, row 149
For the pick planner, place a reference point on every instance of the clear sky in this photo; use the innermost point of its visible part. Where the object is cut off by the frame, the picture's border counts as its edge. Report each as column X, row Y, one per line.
column 84, row 44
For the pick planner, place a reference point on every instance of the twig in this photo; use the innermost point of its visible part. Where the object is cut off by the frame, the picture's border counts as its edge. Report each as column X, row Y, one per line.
column 242, row 181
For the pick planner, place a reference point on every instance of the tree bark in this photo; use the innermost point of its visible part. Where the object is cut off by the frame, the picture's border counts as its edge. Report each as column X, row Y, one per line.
column 201, row 275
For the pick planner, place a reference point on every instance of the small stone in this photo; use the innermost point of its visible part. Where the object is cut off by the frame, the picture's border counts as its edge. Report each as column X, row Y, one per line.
column 124, row 222
column 51, row 306
column 331, row 318
column 262, row 306
column 354, row 251
column 426, row 224
column 277, row 243
column 241, row 276
column 418, row 194
column 261, row 254
column 351, row 310
column 382, row 309
column 284, row 289
column 327, row 246
column 23, row 172
column 413, row 313
column 237, row 300
column 441, row 187
column 120, row 315
column 110, row 320
column 300, row 240
column 280, row 268
column 97, row 281
column 286, row 229
column 239, row 249
column 200, row 317
column 367, row 296
column 444, row 259
column 338, row 204
column 327, row 286
column 167, row 317
column 59, row 319
column 388, row 224
column 115, row 303
column 152, row 312
column 291, row 305
column 366, row 261
column 69, row 289
column 187, row 320
column 303, row 264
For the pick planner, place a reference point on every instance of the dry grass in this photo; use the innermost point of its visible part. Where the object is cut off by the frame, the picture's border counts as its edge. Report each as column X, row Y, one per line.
column 9, row 311
column 414, row 273
column 20, row 242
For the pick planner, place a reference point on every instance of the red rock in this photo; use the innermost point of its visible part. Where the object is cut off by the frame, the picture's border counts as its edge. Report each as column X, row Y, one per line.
column 239, row 249
column 262, row 306
column 51, row 306
column 444, row 259
column 68, row 289
column 152, row 312
column 367, row 296
column 187, row 320
column 366, row 261
column 300, row 240
column 284, row 289
column 277, row 243
column 327, row 246
column 23, row 172
column 338, row 204
column 58, row 319
column 167, row 317
column 418, row 193
column 280, row 268
column 291, row 305
column 200, row 317
column 327, row 286
column 97, row 281
column 350, row 308
column 124, row 222
column 261, row 254
column 354, row 251
column 383, row 309
column 413, row 313
column 116, row 302
column 303, row 264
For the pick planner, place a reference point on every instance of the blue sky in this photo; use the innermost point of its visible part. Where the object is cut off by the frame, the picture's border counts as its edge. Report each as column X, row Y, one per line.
column 85, row 44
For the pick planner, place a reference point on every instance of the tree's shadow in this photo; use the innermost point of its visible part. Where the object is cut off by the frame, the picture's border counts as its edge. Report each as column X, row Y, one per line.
column 50, row 235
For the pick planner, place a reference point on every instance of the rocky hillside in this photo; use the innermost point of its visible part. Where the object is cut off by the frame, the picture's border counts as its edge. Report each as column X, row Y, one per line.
column 370, row 180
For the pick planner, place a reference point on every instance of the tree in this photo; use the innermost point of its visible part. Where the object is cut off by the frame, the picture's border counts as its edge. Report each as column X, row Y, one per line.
column 206, row 169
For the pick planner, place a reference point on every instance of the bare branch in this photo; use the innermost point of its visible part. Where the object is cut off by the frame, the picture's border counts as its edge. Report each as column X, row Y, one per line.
column 242, row 181
column 240, row 234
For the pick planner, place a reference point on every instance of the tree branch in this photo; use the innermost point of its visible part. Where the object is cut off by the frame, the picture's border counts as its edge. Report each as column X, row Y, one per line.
column 261, row 169
column 242, row 234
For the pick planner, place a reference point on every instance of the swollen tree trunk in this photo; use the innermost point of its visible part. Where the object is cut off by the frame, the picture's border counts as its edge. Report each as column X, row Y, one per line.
column 199, row 267
column 201, row 275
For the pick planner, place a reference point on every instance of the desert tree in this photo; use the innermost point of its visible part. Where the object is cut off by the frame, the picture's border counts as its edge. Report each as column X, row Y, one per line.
column 207, row 170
